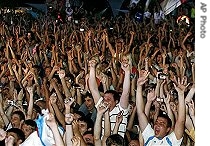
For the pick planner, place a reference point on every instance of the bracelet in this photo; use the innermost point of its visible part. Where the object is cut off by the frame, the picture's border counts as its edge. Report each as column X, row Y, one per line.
column 68, row 123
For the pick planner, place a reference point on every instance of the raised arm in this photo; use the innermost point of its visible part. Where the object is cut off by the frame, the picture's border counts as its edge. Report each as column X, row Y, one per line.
column 51, row 122
column 126, row 86
column 92, row 81
column 142, row 118
column 180, row 122
column 101, row 109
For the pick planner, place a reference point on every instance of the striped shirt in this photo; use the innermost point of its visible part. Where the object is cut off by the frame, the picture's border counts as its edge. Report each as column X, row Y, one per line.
column 113, row 114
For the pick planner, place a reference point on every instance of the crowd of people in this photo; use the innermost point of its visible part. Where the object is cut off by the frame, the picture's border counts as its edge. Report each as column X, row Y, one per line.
column 97, row 81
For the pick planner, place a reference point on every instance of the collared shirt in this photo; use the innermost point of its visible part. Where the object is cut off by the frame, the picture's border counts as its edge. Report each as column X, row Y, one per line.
column 151, row 140
column 113, row 114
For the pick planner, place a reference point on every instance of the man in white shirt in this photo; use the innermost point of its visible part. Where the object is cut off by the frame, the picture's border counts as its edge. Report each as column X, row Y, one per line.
column 29, row 128
column 162, row 132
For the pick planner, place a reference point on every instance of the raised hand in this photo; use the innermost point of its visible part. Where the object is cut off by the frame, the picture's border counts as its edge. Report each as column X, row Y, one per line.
column 119, row 117
column 68, row 102
column 53, row 98
column 125, row 66
column 76, row 141
column 92, row 63
column 61, row 73
column 181, row 85
column 142, row 77
column 2, row 134
column 151, row 95
column 102, row 108
column 191, row 106
column 69, row 118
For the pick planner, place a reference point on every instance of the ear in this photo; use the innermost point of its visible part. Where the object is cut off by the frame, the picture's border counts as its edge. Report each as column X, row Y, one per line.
column 19, row 141
column 168, row 129
column 21, row 123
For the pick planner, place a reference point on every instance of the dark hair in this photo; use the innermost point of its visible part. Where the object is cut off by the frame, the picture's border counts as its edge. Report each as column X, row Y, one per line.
column 115, row 139
column 20, row 114
column 115, row 94
column 88, row 132
column 88, row 94
column 31, row 123
column 80, row 113
column 165, row 116
column 20, row 134
column 90, row 123
column 37, row 108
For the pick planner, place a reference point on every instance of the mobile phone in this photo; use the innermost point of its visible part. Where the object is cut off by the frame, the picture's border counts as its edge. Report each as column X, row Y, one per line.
column 159, row 99
column 81, row 29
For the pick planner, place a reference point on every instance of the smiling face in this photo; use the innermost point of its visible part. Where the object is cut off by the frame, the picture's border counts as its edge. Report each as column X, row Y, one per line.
column 161, row 128
column 15, row 121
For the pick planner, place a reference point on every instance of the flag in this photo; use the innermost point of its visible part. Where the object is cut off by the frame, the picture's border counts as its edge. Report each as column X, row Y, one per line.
column 147, row 5
column 169, row 5
column 115, row 4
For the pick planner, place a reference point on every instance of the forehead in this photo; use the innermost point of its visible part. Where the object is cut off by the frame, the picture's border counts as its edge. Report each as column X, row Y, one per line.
column 12, row 134
column 110, row 95
column 161, row 119
column 88, row 135
column 134, row 143
column 88, row 98
column 15, row 116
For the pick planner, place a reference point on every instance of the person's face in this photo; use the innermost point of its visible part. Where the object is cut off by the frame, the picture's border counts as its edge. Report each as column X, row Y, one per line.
column 34, row 114
column 15, row 121
column 68, row 82
column 108, row 98
column 41, row 104
column 13, row 135
column 159, row 59
column 88, row 138
column 47, row 71
column 82, row 127
column 27, row 129
column 89, row 103
column 134, row 143
column 125, row 59
column 160, row 127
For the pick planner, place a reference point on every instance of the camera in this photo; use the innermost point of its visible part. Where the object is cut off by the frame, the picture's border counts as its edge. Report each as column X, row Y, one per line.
column 162, row 76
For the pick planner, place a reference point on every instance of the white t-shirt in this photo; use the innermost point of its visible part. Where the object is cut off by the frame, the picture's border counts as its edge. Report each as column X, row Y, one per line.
column 151, row 140
column 32, row 140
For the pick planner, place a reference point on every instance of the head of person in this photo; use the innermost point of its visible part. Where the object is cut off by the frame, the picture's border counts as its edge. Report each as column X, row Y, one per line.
column 126, row 58
column 36, row 112
column 41, row 103
column 134, row 142
column 115, row 140
column 111, row 97
column 88, row 137
column 159, row 58
column 89, row 102
column 162, row 125
column 17, row 134
column 28, row 127
column 17, row 119
column 85, row 124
